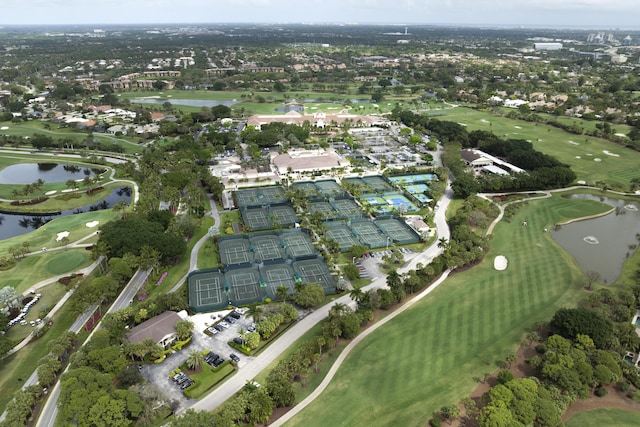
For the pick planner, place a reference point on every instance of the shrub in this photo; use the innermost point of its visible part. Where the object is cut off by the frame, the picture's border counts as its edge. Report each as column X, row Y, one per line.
column 541, row 349
column 435, row 422
column 601, row 392
column 504, row 377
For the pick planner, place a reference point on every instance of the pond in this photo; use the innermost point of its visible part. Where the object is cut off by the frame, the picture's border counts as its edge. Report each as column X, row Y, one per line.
column 602, row 244
column 188, row 102
column 27, row 173
column 12, row 225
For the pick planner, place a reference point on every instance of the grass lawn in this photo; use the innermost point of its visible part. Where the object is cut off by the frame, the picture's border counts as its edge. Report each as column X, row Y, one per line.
column 432, row 354
column 604, row 417
column 208, row 379
column 46, row 236
column 208, row 255
column 36, row 127
column 15, row 369
column 566, row 147
column 32, row 269
column 57, row 202
column 51, row 294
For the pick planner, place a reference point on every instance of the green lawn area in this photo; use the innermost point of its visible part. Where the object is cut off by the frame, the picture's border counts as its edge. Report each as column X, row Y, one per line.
column 208, row 255
column 15, row 369
column 208, row 379
column 566, row 147
column 46, row 236
column 51, row 294
column 36, row 127
column 431, row 355
column 32, row 269
column 605, row 417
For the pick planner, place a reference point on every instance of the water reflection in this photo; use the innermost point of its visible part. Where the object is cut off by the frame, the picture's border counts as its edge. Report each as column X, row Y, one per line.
column 14, row 225
column 602, row 244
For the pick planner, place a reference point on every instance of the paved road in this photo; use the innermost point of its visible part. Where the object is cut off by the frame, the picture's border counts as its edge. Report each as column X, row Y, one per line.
column 49, row 411
column 235, row 383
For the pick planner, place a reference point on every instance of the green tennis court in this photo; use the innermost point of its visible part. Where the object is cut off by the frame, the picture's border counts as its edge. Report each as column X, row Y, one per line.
column 244, row 286
column 284, row 215
column 256, row 219
column 342, row 234
column 266, row 248
column 298, row 245
column 397, row 230
column 234, row 251
column 315, row 271
column 276, row 275
column 347, row 208
column 325, row 209
column 369, row 234
column 329, row 188
column 378, row 183
column 206, row 290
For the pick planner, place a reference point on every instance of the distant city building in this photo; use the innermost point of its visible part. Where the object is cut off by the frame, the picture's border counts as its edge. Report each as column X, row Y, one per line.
column 547, row 46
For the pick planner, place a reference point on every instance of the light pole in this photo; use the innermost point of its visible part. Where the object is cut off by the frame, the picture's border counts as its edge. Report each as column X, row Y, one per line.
column 388, row 240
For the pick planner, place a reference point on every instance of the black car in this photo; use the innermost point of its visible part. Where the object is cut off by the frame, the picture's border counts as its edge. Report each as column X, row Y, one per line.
column 238, row 341
column 217, row 362
column 235, row 315
column 210, row 356
column 218, row 328
column 187, row 384
column 233, row 357
column 230, row 319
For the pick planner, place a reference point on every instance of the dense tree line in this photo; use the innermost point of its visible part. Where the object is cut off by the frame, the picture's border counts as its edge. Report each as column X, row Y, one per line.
column 542, row 171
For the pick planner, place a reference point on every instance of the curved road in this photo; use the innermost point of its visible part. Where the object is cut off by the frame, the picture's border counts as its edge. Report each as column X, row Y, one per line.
column 259, row 363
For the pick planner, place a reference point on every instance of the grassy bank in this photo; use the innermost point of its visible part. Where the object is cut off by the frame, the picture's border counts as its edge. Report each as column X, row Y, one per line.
column 432, row 354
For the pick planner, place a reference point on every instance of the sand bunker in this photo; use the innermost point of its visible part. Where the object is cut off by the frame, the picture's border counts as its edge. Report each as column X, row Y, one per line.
column 92, row 224
column 67, row 190
column 608, row 153
column 597, row 159
column 621, row 134
column 484, row 121
column 574, row 143
column 4, row 128
column 581, row 182
column 500, row 263
column 578, row 157
column 517, row 127
column 49, row 193
column 62, row 235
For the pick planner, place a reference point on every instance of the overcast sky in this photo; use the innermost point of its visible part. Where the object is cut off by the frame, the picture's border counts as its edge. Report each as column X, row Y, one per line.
column 569, row 13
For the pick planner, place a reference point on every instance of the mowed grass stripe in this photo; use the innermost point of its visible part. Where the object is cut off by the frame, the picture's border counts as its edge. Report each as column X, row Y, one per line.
column 379, row 385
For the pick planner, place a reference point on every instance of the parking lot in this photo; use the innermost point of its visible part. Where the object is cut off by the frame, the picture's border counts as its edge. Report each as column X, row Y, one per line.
column 368, row 264
column 159, row 374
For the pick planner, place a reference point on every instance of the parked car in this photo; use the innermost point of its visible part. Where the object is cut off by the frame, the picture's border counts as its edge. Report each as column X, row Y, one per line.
column 230, row 320
column 238, row 341
column 233, row 357
column 235, row 315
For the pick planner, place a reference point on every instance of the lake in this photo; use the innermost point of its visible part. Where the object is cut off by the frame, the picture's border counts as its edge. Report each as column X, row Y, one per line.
column 12, row 225
column 188, row 102
column 602, row 244
column 27, row 173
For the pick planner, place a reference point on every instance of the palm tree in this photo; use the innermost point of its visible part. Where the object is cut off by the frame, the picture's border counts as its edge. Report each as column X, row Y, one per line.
column 194, row 361
column 282, row 292
column 356, row 294
column 443, row 243
column 255, row 312
column 338, row 309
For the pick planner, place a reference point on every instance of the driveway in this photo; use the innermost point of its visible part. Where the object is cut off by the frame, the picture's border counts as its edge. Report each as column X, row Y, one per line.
column 159, row 374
